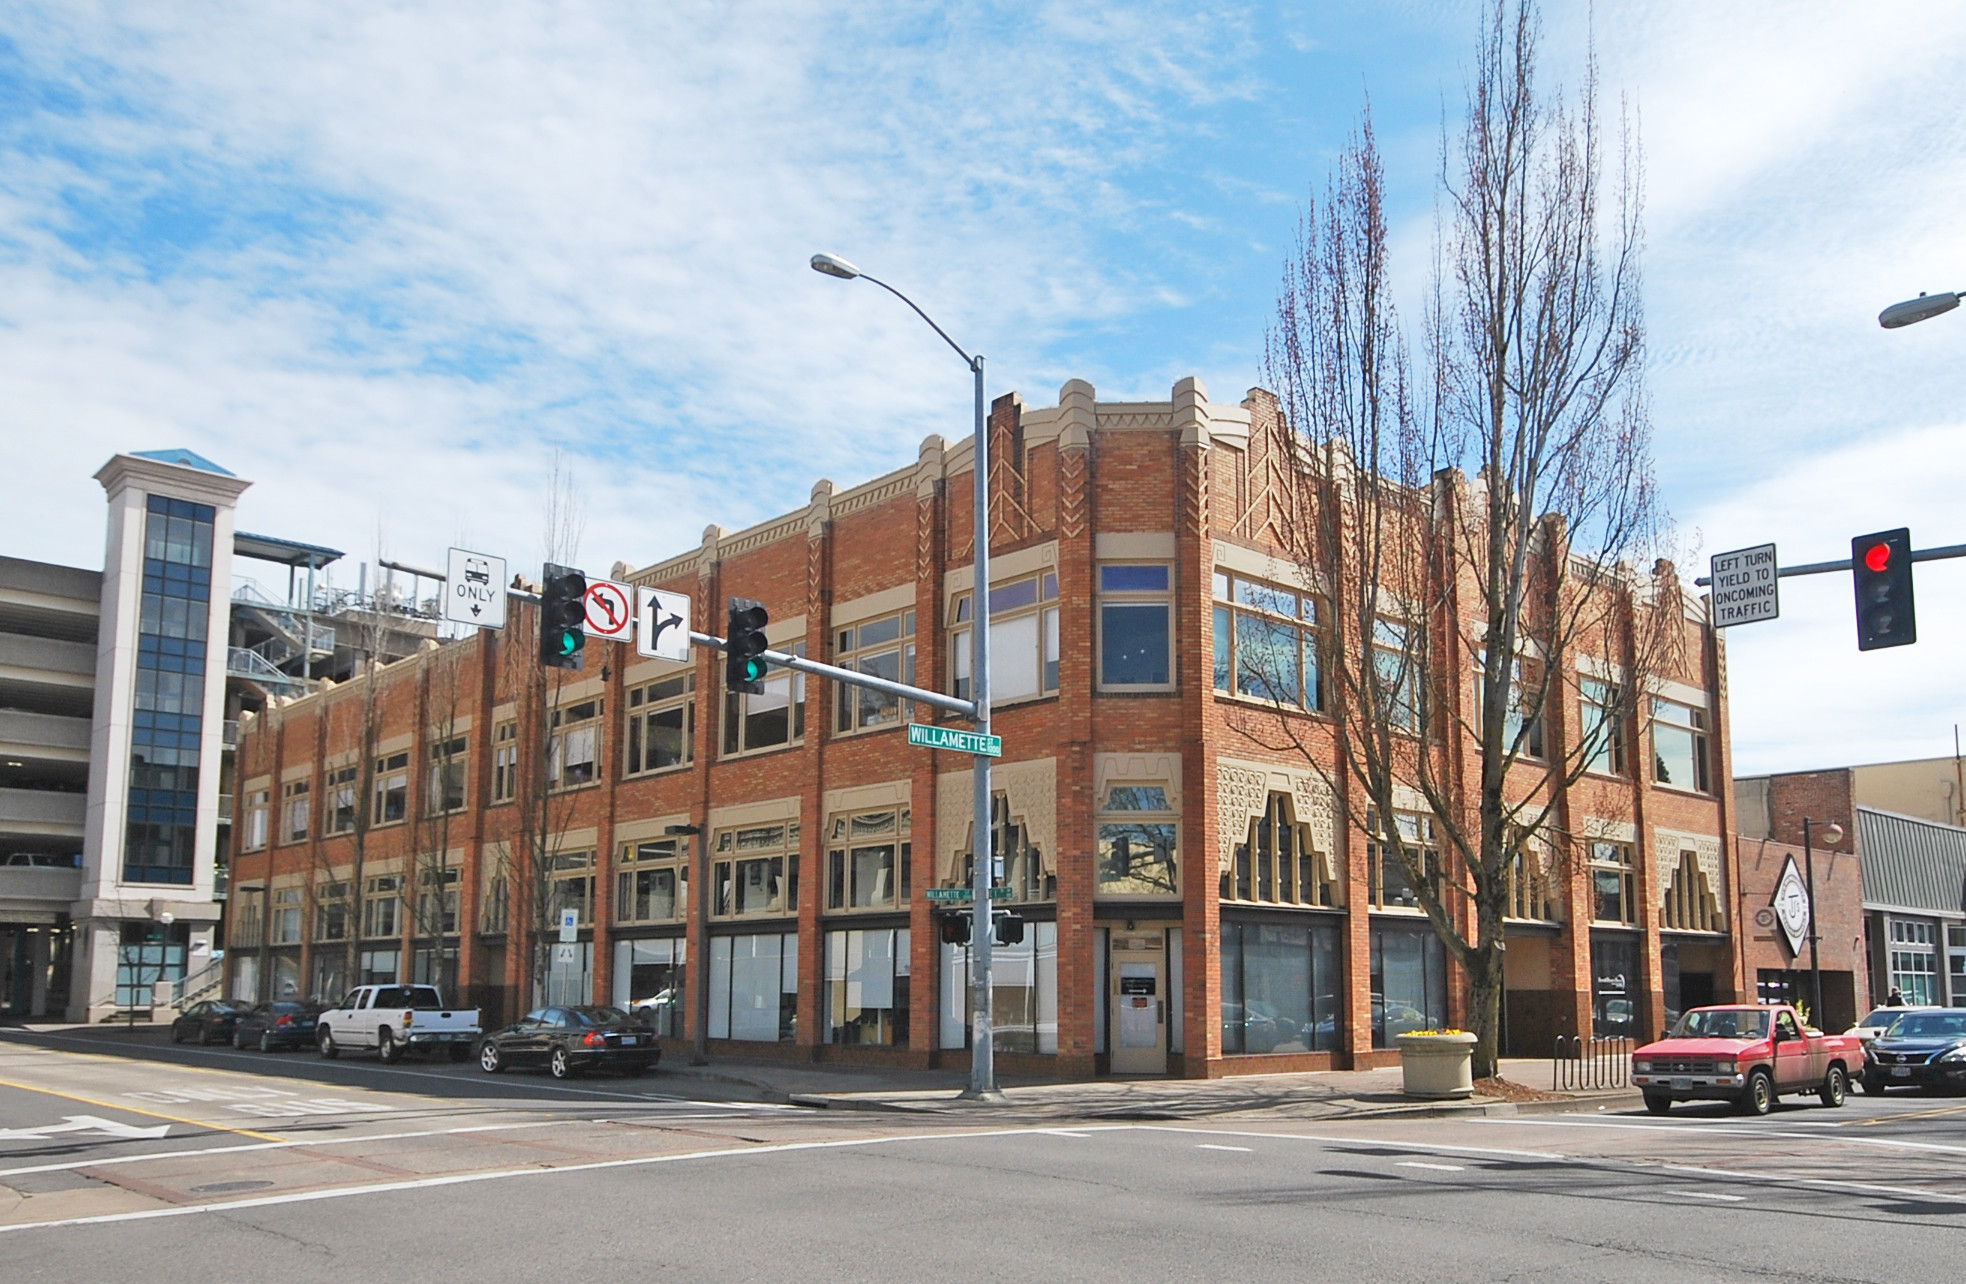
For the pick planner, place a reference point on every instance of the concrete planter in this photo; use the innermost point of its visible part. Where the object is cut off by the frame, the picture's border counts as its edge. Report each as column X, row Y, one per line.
column 1437, row 1066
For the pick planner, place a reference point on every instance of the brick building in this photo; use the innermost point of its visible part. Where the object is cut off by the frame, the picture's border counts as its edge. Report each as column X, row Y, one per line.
column 1156, row 850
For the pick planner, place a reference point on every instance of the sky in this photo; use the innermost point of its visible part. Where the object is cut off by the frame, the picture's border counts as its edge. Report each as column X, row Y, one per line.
column 388, row 260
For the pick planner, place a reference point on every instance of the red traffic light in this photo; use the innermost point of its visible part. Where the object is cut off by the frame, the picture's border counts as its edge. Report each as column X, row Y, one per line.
column 1878, row 557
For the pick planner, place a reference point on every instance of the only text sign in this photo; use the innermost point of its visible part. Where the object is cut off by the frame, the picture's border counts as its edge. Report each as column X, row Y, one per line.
column 1746, row 586
column 927, row 737
column 474, row 593
column 663, row 631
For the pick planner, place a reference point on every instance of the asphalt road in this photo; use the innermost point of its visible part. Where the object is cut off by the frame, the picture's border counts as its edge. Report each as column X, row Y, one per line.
column 515, row 1177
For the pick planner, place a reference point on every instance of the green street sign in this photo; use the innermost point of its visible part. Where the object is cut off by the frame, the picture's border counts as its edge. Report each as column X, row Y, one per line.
column 926, row 737
column 951, row 894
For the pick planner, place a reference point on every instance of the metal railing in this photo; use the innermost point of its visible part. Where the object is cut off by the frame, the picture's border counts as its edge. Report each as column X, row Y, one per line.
column 201, row 984
column 1580, row 1063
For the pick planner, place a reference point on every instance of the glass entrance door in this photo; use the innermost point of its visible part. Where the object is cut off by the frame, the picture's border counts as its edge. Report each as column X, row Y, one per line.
column 1138, row 1004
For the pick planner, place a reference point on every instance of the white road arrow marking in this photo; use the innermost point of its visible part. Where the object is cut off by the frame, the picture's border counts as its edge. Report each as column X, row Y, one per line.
column 85, row 1123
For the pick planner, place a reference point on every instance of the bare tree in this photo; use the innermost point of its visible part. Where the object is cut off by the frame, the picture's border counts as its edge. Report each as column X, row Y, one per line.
column 1516, row 586
column 432, row 876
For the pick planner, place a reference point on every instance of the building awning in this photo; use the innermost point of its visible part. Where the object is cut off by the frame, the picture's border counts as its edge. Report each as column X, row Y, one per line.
column 287, row 552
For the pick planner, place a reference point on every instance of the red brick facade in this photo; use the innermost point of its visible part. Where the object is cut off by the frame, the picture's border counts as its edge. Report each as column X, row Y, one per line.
column 1091, row 774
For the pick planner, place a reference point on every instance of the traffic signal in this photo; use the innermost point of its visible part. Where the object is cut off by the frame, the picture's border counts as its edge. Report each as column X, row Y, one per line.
column 1880, row 567
column 1007, row 928
column 562, row 616
column 744, row 647
column 955, row 928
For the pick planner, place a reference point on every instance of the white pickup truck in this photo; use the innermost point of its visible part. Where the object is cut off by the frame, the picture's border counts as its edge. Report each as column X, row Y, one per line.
column 394, row 1019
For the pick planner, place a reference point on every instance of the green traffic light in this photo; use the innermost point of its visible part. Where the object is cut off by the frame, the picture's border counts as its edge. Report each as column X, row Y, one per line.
column 754, row 670
column 568, row 642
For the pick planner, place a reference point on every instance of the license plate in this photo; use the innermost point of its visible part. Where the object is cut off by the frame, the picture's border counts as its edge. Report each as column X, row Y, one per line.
column 1901, row 1072
column 628, row 1041
column 1682, row 1083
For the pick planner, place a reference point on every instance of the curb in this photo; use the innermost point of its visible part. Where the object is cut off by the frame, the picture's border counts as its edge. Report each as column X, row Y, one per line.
column 1473, row 1109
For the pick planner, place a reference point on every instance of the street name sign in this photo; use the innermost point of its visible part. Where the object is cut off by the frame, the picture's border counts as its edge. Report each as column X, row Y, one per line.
column 965, row 895
column 1745, row 585
column 474, row 590
column 926, row 737
column 663, row 631
column 610, row 613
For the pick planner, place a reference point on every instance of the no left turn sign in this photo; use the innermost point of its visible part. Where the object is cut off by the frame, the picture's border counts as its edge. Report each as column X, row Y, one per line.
column 609, row 610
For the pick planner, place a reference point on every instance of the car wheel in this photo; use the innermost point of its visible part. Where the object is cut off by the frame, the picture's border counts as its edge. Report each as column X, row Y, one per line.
column 177, row 1033
column 266, row 1041
column 238, row 1041
column 1836, row 1086
column 204, row 1036
column 560, row 1064
column 1872, row 1085
column 1657, row 1103
column 387, row 1050
column 490, row 1059
column 329, row 1048
column 1759, row 1099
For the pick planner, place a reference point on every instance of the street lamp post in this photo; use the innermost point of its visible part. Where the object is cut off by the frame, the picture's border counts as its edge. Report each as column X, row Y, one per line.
column 982, row 1069
column 1922, row 308
column 1832, row 835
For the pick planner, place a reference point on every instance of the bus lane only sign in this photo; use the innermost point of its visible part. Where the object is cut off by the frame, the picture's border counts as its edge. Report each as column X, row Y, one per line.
column 1745, row 586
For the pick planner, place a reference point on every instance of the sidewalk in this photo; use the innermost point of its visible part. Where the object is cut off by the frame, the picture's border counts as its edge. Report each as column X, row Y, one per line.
column 1331, row 1094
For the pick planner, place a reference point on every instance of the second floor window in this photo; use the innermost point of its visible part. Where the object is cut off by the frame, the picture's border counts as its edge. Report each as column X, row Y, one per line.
column 444, row 790
column 661, row 724
column 1612, row 881
column 505, row 762
column 1138, row 842
column 1276, row 862
column 867, row 856
column 1679, row 746
column 286, row 916
column 294, row 811
column 382, row 906
column 1529, row 889
column 575, row 746
column 1266, row 642
column 1023, row 639
column 436, row 902
column 1524, row 737
column 756, row 870
column 1392, row 887
column 652, row 882
column 331, row 912
column 883, row 648
column 392, row 789
column 572, row 887
column 255, row 835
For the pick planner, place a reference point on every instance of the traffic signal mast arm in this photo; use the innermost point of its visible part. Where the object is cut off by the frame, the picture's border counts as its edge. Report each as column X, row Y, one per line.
column 1828, row 568
column 799, row 664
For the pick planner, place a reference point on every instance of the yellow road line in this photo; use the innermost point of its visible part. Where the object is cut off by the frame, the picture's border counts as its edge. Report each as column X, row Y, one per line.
column 1922, row 1114
column 135, row 1110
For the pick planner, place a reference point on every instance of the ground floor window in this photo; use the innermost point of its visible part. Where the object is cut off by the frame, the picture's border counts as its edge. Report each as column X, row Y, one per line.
column 431, row 966
column 754, row 987
column 378, row 967
column 1280, row 985
column 1023, row 993
column 867, row 987
column 1915, row 959
column 649, row 978
column 150, row 953
column 569, row 974
column 1614, row 986
column 330, row 975
column 1409, row 982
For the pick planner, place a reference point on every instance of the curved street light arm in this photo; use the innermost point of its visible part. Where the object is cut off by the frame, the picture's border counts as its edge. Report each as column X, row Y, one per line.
column 968, row 360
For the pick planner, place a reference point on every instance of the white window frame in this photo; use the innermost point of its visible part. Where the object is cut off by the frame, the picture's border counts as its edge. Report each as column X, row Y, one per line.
column 860, row 709
column 1006, row 621
column 646, row 702
column 1231, row 607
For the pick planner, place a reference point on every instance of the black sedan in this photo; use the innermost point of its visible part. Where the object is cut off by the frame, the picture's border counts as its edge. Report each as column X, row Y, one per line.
column 1922, row 1049
column 570, row 1040
column 207, row 1021
column 270, row 1026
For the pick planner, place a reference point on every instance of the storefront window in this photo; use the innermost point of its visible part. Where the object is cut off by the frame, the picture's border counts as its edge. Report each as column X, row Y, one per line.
column 1023, row 993
column 867, row 987
column 754, row 987
column 650, row 978
column 1614, row 987
column 1409, row 982
column 1280, row 985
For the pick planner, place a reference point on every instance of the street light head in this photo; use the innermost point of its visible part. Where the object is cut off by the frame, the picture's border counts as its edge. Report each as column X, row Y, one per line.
column 1832, row 834
column 1911, row 311
column 834, row 265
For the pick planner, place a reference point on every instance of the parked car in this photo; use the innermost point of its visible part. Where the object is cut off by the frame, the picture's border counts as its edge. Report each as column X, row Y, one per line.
column 287, row 1024
column 1747, row 1055
column 569, row 1040
column 207, row 1021
column 1878, row 1020
column 1925, row 1049
column 395, row 1019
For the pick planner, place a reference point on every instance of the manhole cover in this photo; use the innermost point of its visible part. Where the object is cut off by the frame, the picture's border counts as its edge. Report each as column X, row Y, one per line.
column 229, row 1187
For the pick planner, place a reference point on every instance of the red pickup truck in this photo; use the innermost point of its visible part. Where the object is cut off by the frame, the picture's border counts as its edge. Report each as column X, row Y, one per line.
column 1747, row 1055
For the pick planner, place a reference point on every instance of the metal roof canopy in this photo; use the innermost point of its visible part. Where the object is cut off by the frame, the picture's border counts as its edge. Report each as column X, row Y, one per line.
column 1911, row 863
column 287, row 552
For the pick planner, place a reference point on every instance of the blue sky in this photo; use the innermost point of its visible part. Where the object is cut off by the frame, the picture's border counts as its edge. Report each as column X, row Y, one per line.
column 384, row 260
